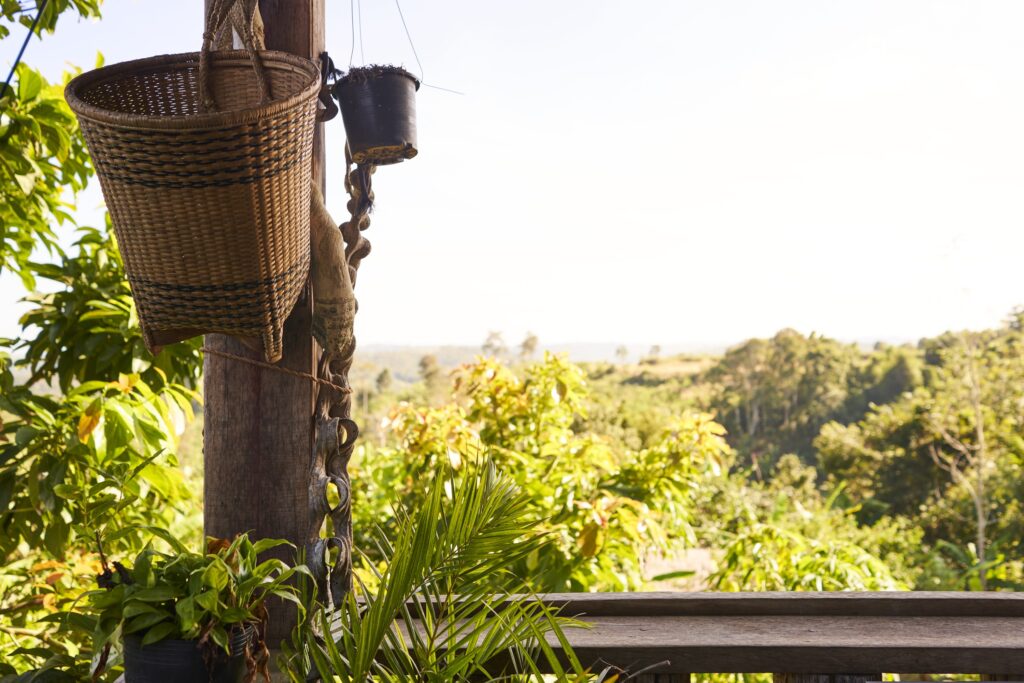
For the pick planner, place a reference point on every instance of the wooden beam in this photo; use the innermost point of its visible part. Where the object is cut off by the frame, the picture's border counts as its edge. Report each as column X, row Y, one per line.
column 801, row 637
column 880, row 604
column 822, row 644
column 258, row 430
column 832, row 634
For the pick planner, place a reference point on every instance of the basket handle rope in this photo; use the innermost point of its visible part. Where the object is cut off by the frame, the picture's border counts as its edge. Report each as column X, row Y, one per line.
column 218, row 15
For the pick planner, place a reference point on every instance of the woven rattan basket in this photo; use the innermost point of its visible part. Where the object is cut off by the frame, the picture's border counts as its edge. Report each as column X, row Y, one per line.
column 205, row 162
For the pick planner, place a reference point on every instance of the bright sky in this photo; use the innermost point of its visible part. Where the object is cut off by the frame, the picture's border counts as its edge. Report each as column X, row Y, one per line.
column 675, row 171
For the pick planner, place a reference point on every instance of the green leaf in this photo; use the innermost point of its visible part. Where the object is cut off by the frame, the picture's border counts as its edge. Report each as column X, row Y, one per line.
column 101, row 600
column 216, row 575
column 67, row 491
column 142, row 572
column 186, row 611
column 164, row 535
column 682, row 573
column 166, row 480
column 134, row 608
column 158, row 632
column 220, row 637
column 235, row 615
column 207, row 600
column 26, row 182
column 30, row 83
column 56, row 536
column 265, row 544
column 25, row 434
column 144, row 621
column 155, row 594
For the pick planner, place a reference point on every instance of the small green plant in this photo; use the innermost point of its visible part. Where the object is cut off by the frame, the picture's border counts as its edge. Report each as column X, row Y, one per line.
column 191, row 596
column 444, row 605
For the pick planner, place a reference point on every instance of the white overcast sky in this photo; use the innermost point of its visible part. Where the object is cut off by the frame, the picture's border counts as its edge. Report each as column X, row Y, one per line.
column 671, row 172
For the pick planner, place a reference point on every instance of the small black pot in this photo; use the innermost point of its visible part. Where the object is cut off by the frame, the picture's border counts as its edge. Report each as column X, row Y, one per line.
column 378, row 105
column 175, row 661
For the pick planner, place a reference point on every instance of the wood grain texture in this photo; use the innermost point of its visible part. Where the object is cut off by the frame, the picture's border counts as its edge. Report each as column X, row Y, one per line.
column 298, row 26
column 832, row 635
column 258, row 431
column 920, row 604
column 826, row 645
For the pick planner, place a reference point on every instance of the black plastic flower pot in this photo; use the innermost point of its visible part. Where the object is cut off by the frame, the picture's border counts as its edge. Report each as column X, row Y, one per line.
column 378, row 105
column 174, row 661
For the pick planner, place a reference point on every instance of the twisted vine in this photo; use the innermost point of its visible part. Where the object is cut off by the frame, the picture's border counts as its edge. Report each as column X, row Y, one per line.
column 330, row 557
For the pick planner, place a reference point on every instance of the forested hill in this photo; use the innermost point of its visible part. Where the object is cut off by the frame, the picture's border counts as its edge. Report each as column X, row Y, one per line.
column 403, row 361
column 931, row 435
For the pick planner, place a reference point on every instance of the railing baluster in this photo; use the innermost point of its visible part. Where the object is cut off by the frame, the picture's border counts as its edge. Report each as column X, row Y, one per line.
column 826, row 678
column 802, row 678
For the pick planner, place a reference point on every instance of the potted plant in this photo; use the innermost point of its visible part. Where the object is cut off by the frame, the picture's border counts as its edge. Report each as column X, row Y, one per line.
column 187, row 616
column 378, row 105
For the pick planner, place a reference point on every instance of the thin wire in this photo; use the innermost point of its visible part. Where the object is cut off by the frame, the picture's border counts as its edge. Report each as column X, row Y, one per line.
column 352, row 52
column 409, row 36
column 24, row 44
column 437, row 87
column 362, row 55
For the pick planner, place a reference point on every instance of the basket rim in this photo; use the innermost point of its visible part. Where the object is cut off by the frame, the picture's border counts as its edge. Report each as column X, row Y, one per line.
column 196, row 121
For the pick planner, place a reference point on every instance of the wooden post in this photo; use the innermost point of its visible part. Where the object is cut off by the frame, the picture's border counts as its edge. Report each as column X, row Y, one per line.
column 258, row 431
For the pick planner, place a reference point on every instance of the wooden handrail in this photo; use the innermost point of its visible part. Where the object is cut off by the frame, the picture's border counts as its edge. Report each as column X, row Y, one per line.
column 798, row 634
column 889, row 603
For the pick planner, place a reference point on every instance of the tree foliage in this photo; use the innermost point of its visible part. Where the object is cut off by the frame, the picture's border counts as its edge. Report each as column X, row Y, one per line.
column 609, row 505
column 774, row 395
column 605, row 505
column 88, row 419
column 91, row 319
column 15, row 11
column 43, row 163
column 948, row 455
column 43, row 159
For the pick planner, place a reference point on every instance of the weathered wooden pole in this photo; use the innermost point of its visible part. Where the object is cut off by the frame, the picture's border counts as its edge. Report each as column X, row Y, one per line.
column 258, row 432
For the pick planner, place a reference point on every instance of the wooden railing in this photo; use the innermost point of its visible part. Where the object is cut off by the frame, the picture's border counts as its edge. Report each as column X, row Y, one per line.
column 799, row 637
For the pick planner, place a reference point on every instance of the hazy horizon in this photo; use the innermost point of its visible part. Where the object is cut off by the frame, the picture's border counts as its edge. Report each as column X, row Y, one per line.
column 635, row 348
column 669, row 172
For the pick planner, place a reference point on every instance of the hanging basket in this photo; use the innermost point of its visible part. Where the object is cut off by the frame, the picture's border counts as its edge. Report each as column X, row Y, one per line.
column 378, row 104
column 205, row 160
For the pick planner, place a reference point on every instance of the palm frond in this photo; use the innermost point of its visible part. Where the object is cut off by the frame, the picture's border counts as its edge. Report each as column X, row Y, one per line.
column 445, row 607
